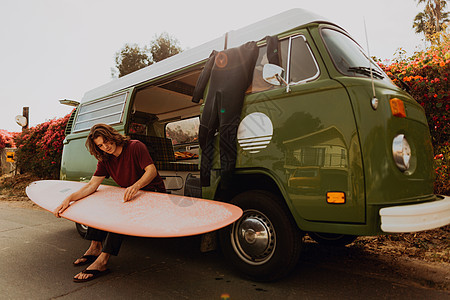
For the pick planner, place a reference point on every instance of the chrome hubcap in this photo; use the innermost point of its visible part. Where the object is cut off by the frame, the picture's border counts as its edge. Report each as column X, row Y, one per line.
column 253, row 238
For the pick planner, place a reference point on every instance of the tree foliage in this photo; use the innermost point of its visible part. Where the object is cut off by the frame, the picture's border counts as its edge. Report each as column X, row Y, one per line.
column 432, row 20
column 132, row 57
column 164, row 46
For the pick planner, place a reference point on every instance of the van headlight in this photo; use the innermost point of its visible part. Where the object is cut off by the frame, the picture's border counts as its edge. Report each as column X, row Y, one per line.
column 401, row 152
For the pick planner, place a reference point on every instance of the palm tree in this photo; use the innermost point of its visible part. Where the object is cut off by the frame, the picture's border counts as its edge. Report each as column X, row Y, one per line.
column 433, row 19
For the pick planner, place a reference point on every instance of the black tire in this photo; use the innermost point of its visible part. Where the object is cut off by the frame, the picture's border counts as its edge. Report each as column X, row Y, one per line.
column 262, row 257
column 332, row 239
column 82, row 229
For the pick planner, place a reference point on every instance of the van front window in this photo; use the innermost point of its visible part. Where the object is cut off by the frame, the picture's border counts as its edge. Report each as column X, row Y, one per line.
column 348, row 57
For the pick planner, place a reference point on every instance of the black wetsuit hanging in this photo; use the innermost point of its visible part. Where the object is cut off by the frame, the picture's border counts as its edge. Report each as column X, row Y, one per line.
column 230, row 73
column 273, row 53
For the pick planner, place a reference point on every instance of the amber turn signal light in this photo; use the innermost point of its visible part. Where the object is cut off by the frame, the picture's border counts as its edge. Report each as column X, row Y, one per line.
column 397, row 108
column 336, row 197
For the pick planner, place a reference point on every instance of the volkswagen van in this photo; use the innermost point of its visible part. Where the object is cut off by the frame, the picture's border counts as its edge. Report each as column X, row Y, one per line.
column 327, row 145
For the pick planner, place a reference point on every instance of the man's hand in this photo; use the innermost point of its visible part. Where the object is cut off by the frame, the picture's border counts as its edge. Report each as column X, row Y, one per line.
column 130, row 192
column 85, row 191
column 61, row 208
column 149, row 175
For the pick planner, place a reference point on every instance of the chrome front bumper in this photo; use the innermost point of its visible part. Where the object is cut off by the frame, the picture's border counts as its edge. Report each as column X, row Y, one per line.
column 416, row 217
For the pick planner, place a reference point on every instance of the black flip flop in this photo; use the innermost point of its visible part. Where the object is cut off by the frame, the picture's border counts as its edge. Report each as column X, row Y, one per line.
column 89, row 259
column 95, row 274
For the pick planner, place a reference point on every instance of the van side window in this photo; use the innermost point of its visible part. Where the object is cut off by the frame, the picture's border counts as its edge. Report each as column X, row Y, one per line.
column 258, row 83
column 108, row 111
column 303, row 66
column 183, row 131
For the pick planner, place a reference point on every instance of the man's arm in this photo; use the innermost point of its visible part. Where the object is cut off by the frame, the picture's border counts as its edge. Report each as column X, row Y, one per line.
column 149, row 175
column 85, row 191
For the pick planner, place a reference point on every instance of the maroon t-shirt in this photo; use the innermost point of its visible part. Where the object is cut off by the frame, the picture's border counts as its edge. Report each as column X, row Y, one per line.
column 128, row 167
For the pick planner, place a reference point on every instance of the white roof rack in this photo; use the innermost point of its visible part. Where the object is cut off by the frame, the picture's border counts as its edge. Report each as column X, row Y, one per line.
column 271, row 26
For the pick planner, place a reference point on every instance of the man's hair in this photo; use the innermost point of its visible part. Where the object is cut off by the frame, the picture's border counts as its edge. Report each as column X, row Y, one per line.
column 108, row 134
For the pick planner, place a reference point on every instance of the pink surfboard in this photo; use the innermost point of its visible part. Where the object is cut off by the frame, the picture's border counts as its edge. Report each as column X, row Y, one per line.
column 148, row 214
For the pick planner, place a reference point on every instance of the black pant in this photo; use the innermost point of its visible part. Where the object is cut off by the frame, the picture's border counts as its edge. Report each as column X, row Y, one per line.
column 111, row 241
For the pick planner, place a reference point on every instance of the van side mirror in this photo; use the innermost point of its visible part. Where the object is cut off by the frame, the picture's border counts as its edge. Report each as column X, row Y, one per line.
column 273, row 74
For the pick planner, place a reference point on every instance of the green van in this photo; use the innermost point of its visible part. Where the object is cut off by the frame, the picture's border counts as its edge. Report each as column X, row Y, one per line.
column 326, row 145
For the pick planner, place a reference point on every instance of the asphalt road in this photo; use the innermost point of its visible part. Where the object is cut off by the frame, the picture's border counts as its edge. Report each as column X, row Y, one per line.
column 37, row 250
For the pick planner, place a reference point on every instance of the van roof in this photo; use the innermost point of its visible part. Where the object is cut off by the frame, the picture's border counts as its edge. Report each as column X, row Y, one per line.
column 271, row 26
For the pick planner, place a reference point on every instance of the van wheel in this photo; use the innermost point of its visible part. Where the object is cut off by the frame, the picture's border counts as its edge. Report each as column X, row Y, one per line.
column 332, row 239
column 264, row 244
column 82, row 229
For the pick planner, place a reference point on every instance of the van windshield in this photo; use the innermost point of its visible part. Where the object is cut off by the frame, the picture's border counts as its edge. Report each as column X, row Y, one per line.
column 348, row 57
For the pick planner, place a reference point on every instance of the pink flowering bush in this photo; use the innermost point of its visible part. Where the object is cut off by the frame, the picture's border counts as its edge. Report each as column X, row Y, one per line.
column 6, row 139
column 441, row 161
column 39, row 148
column 427, row 74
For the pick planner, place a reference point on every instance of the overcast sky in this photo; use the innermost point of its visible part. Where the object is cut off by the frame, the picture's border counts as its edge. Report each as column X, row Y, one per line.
column 60, row 49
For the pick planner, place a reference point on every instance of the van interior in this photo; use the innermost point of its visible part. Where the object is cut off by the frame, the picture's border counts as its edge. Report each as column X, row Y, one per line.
column 164, row 118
